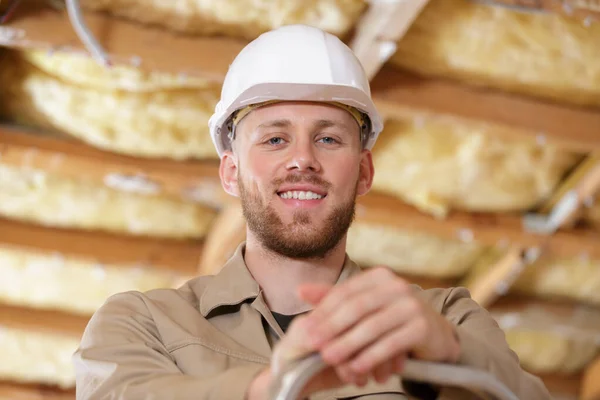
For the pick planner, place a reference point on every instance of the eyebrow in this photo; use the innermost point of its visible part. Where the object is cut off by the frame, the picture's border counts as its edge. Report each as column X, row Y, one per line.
column 277, row 123
column 285, row 123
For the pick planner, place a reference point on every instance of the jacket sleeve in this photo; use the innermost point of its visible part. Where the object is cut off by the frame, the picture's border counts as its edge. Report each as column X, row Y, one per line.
column 121, row 357
column 484, row 346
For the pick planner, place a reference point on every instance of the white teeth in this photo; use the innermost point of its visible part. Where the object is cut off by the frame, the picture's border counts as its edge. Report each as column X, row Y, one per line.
column 300, row 195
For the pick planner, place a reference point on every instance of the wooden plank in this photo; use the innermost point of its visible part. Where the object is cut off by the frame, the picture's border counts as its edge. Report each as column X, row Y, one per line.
column 21, row 391
column 565, row 207
column 380, row 28
column 587, row 11
column 40, row 321
column 396, row 92
column 488, row 229
column 226, row 233
column 69, row 157
column 176, row 255
column 497, row 280
column 590, row 388
column 149, row 48
column 562, row 386
column 400, row 94
column 45, row 321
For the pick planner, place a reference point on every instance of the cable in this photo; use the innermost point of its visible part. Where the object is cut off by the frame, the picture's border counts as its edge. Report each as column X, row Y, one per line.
column 84, row 34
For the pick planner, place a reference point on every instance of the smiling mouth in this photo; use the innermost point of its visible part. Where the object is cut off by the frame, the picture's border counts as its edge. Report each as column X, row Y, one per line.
column 301, row 195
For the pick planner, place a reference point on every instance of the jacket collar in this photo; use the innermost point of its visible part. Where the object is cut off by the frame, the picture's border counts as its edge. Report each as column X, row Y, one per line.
column 234, row 283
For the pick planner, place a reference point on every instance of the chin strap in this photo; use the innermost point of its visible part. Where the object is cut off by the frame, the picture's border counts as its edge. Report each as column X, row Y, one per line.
column 421, row 379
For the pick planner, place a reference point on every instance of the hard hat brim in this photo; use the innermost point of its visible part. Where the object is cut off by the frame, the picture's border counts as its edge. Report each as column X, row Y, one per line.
column 270, row 91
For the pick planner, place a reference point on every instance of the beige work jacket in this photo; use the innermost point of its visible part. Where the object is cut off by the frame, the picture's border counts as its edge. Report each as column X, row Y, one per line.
column 211, row 337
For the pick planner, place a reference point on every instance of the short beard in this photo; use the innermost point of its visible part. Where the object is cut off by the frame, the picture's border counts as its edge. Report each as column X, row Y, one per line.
column 298, row 240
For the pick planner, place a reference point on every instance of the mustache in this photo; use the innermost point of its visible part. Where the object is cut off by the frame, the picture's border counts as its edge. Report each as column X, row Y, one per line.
column 302, row 178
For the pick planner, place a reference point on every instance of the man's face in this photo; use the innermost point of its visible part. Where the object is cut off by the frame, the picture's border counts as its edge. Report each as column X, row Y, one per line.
column 299, row 169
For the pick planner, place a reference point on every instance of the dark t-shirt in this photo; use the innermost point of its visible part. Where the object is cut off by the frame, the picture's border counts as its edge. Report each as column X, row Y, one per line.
column 283, row 320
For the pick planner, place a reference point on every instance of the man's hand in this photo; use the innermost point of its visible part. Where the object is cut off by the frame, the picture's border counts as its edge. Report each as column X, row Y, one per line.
column 365, row 327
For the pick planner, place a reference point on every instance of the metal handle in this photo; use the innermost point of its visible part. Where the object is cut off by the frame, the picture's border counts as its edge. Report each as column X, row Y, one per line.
column 292, row 378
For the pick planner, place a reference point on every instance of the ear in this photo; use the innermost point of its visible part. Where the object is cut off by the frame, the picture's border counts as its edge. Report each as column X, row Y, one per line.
column 366, row 173
column 228, row 172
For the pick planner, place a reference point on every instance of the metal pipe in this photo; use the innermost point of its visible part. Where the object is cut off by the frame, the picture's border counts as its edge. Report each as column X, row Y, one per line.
column 292, row 378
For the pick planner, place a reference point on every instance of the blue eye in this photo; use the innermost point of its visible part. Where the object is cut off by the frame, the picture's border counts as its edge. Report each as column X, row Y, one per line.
column 275, row 140
column 328, row 140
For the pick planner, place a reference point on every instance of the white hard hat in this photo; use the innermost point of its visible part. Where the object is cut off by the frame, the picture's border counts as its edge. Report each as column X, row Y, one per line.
column 294, row 63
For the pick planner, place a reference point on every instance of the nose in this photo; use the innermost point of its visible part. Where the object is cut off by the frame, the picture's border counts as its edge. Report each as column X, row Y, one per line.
column 303, row 157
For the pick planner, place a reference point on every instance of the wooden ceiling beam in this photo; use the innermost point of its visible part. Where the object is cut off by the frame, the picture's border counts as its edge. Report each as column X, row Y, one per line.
column 400, row 94
column 39, row 321
column 181, row 256
column 228, row 230
column 563, row 386
column 380, row 28
column 586, row 11
column 565, row 207
column 78, row 160
column 37, row 25
column 486, row 228
column 44, row 321
column 20, row 147
column 22, row 391
column 590, row 388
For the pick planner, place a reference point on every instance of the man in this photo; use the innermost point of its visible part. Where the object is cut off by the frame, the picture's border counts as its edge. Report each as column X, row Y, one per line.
column 294, row 129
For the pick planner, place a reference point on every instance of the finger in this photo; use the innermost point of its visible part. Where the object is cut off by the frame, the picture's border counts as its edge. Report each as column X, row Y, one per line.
column 313, row 293
column 294, row 343
column 396, row 342
column 364, row 308
column 348, row 376
column 340, row 293
column 369, row 330
column 399, row 363
column 384, row 371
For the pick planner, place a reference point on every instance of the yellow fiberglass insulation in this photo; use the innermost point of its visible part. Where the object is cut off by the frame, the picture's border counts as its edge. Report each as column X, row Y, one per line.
column 411, row 253
column 576, row 278
column 37, row 357
column 51, row 281
column 438, row 166
column 53, row 200
column 120, row 110
column 550, row 344
column 237, row 18
column 544, row 55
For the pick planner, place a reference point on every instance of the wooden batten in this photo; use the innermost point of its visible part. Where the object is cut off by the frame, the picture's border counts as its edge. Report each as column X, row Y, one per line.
column 563, row 386
column 226, row 233
column 400, row 94
column 590, row 389
column 396, row 92
column 380, row 28
column 587, row 11
column 502, row 274
column 175, row 255
column 35, row 25
column 40, row 321
column 485, row 228
column 45, row 321
column 16, row 391
column 20, row 147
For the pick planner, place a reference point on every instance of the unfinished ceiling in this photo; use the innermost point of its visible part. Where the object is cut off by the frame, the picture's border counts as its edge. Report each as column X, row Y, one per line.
column 486, row 173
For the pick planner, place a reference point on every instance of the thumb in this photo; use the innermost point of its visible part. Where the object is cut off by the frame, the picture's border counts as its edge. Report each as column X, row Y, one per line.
column 313, row 293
